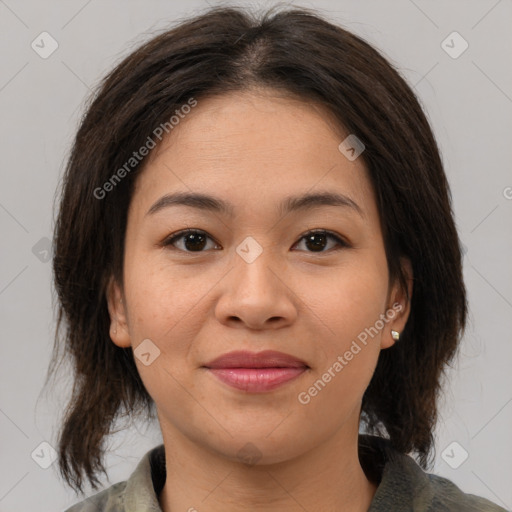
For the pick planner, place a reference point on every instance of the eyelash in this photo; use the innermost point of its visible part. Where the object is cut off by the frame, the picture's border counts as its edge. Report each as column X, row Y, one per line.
column 176, row 236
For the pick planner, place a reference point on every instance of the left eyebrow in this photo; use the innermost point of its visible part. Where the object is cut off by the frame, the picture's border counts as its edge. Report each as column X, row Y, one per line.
column 289, row 204
column 310, row 201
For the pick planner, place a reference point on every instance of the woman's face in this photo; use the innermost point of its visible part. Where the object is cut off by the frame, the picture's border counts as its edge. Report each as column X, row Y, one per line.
column 255, row 279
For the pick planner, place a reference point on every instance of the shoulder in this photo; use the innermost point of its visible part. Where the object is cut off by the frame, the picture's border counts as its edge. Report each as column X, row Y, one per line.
column 447, row 496
column 404, row 486
column 139, row 492
column 108, row 500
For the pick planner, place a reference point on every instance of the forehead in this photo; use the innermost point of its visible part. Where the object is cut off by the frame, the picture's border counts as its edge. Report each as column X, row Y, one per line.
column 253, row 148
column 260, row 121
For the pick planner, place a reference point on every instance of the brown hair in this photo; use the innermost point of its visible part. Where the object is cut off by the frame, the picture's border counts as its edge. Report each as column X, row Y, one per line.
column 299, row 53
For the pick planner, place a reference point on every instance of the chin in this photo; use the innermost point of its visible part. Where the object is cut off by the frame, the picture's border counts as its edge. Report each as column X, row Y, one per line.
column 257, row 448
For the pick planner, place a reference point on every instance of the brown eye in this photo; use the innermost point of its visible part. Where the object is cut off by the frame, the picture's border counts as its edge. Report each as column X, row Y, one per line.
column 317, row 241
column 193, row 240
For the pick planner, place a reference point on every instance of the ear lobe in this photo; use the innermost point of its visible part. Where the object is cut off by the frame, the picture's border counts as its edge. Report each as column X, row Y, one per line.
column 119, row 332
column 400, row 305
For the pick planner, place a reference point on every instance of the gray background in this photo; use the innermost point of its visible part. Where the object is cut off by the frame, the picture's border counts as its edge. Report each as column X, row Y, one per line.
column 469, row 102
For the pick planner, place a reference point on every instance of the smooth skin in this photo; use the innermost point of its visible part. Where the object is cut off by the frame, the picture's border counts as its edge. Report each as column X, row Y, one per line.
column 197, row 301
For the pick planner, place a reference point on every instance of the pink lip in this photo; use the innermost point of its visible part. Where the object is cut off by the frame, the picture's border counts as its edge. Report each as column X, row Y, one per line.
column 256, row 372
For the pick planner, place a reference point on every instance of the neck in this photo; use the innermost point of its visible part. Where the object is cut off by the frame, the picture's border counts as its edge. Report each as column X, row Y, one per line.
column 328, row 478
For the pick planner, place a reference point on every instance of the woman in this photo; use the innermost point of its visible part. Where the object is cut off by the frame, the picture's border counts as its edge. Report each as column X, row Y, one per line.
column 256, row 244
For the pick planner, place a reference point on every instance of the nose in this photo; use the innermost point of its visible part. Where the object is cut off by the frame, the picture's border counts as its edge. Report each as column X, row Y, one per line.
column 255, row 295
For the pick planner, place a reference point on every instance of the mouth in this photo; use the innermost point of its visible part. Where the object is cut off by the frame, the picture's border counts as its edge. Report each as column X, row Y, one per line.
column 256, row 372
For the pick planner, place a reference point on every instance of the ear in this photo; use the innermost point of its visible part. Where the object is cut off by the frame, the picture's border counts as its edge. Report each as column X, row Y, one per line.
column 119, row 332
column 399, row 306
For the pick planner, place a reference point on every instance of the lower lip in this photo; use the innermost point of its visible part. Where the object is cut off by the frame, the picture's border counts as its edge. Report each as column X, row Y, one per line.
column 257, row 380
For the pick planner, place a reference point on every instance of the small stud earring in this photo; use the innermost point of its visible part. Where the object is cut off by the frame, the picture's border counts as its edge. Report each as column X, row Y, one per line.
column 395, row 335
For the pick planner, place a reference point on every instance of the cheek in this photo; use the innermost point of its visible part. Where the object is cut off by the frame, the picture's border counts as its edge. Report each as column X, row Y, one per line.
column 348, row 302
column 163, row 309
column 348, row 348
column 166, row 310
column 159, row 297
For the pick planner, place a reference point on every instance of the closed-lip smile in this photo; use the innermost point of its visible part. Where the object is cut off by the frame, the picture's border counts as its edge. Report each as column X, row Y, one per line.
column 256, row 372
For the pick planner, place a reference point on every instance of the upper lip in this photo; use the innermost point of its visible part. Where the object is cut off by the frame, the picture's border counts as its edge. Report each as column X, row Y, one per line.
column 264, row 359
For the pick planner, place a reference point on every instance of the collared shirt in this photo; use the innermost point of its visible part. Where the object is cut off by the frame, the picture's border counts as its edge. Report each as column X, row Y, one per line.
column 402, row 485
